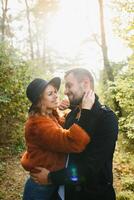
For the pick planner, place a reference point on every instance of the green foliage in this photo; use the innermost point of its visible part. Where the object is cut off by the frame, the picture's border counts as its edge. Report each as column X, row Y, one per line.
column 1, row 195
column 19, row 146
column 107, row 89
column 125, row 97
column 128, row 183
column 122, row 90
column 123, row 20
column 14, row 77
column 2, row 169
column 123, row 171
column 125, row 195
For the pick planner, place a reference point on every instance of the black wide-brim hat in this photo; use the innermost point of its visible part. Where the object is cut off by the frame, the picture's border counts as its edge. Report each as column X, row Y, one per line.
column 37, row 86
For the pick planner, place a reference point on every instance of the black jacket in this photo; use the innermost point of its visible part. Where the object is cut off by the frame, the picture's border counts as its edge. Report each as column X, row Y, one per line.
column 89, row 173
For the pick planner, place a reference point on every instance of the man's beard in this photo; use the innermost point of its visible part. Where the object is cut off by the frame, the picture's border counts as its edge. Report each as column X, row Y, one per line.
column 75, row 102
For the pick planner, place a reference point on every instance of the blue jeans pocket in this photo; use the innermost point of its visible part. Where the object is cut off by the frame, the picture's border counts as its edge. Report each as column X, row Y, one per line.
column 34, row 191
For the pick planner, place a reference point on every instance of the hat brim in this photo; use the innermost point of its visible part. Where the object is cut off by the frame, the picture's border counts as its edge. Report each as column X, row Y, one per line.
column 55, row 82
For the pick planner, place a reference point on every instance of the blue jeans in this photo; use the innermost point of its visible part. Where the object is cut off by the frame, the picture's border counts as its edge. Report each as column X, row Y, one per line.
column 35, row 191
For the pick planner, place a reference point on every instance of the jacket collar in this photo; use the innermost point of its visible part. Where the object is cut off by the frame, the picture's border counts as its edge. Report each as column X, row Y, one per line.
column 96, row 105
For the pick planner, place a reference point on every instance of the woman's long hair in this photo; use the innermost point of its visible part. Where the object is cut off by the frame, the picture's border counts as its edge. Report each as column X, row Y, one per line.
column 36, row 108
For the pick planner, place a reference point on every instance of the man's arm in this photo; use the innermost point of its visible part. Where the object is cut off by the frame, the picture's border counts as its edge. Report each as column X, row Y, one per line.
column 100, row 149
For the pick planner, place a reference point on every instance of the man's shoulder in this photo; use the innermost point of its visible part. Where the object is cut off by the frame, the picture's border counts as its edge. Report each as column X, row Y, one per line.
column 108, row 113
column 106, row 109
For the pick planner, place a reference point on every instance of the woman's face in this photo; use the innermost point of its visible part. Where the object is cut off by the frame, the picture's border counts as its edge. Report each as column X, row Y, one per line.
column 50, row 98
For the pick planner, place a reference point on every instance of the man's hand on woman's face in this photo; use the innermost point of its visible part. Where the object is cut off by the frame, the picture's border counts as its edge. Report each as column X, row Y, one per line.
column 40, row 175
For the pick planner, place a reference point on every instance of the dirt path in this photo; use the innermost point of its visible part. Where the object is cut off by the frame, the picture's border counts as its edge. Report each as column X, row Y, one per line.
column 13, row 180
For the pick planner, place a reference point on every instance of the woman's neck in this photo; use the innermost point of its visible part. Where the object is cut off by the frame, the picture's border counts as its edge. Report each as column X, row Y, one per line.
column 46, row 112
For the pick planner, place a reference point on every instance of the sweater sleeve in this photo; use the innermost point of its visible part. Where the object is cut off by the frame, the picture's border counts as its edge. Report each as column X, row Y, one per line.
column 48, row 135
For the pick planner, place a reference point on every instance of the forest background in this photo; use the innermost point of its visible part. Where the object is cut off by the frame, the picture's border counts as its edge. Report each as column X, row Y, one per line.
column 44, row 38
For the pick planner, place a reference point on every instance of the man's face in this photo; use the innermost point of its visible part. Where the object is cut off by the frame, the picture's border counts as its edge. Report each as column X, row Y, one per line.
column 73, row 89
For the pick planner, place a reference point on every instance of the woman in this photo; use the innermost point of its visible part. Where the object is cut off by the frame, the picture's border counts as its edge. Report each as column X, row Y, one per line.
column 47, row 142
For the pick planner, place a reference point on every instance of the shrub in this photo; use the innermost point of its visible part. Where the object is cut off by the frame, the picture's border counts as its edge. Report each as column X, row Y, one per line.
column 14, row 77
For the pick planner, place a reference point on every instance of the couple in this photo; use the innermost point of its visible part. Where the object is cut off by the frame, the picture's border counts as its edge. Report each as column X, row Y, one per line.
column 77, row 152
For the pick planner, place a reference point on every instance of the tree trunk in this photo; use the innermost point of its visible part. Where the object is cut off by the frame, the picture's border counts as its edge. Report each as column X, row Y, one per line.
column 4, row 11
column 107, row 67
column 29, row 29
column 104, row 45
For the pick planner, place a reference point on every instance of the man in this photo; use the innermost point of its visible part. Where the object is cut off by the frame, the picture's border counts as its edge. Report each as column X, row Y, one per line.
column 88, row 175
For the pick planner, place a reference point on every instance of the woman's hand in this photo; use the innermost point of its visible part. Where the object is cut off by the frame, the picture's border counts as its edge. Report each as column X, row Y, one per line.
column 88, row 100
column 40, row 177
column 64, row 104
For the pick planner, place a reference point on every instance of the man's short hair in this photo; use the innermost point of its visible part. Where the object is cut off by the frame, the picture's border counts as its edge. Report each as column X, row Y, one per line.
column 80, row 74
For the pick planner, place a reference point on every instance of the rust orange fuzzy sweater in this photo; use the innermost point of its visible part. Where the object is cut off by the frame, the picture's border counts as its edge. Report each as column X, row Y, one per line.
column 48, row 143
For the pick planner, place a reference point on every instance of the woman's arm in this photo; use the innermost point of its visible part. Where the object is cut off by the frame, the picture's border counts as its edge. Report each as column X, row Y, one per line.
column 47, row 134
